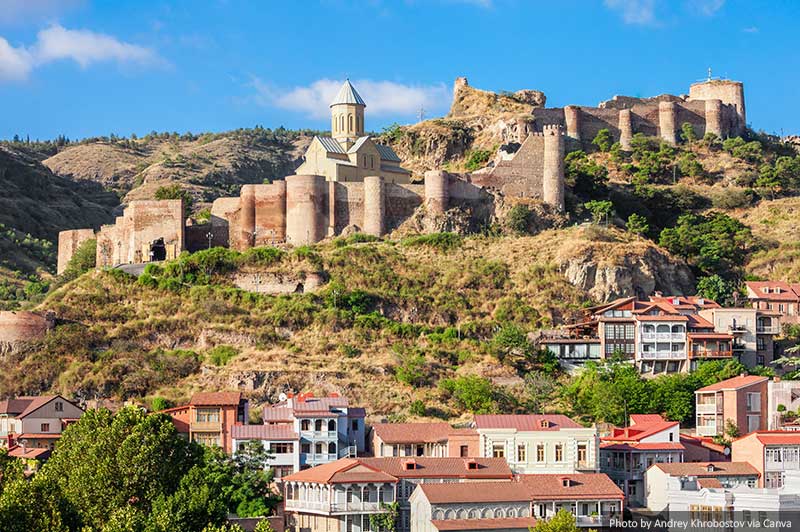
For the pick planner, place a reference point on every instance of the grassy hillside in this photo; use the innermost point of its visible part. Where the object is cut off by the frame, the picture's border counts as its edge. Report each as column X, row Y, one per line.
column 395, row 320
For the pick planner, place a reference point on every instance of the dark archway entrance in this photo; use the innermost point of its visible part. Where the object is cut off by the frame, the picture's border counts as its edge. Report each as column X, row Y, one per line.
column 158, row 251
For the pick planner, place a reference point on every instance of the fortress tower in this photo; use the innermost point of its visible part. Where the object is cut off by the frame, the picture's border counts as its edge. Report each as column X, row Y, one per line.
column 728, row 92
column 347, row 116
column 553, row 174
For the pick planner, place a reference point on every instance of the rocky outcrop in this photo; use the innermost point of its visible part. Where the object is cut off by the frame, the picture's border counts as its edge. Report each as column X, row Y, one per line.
column 632, row 273
column 470, row 102
column 277, row 283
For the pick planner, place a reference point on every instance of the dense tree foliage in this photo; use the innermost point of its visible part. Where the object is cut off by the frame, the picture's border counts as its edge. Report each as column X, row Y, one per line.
column 133, row 472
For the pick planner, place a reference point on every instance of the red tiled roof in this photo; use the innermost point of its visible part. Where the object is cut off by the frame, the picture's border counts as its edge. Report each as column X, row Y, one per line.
column 701, row 469
column 501, row 523
column 525, row 422
column 646, row 419
column 216, row 399
column 317, row 404
column 341, row 471
column 709, row 483
column 698, row 322
column 702, row 441
column 13, row 407
column 264, row 432
column 668, row 317
column 778, row 437
column 581, row 485
column 39, row 436
column 642, row 446
column 642, row 426
column 710, row 336
column 395, row 467
column 787, row 294
column 412, row 432
column 27, row 453
column 734, row 384
column 468, row 492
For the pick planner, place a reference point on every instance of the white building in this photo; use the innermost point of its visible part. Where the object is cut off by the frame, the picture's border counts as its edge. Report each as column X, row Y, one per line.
column 550, row 443
column 783, row 396
column 304, row 431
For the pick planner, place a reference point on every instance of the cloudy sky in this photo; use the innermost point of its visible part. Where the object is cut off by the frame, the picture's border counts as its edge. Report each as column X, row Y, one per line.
column 83, row 68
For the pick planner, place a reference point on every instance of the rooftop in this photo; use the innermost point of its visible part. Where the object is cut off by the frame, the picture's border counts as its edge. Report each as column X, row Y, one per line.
column 525, row 422
column 216, row 399
column 348, row 95
column 707, row 469
column 734, row 384
column 415, row 432
column 642, row 426
column 501, row 523
column 282, row 432
column 590, row 485
column 467, row 492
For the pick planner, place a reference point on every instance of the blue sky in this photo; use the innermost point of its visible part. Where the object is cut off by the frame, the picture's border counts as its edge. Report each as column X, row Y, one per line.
column 83, row 68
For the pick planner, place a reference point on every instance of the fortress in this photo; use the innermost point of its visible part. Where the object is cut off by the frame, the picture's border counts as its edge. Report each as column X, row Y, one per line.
column 348, row 182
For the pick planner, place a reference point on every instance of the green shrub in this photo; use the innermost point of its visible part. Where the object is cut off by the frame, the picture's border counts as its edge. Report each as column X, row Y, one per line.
column 263, row 256
column 477, row 159
column 412, row 370
column 159, row 403
column 637, row 224
column 417, row 408
column 519, row 218
column 586, row 177
column 81, row 262
column 687, row 132
column 221, row 354
column 472, row 393
column 603, row 140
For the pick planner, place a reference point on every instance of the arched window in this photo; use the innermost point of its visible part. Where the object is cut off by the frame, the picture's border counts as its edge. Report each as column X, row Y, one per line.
column 678, row 329
column 662, row 328
column 319, row 448
column 331, row 426
column 331, row 448
column 360, row 123
column 341, row 122
column 318, row 425
column 365, row 161
column 371, row 161
column 648, row 328
column 350, row 122
column 305, row 424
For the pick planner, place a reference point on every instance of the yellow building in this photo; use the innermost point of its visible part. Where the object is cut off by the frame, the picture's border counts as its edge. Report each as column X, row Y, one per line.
column 348, row 154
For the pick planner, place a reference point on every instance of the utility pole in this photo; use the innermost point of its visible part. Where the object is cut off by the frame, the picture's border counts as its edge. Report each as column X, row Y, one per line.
column 421, row 113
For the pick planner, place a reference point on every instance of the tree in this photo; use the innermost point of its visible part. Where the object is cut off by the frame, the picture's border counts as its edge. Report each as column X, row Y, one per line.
column 731, row 430
column 717, row 289
column 603, row 140
column 251, row 495
column 385, row 521
column 539, row 388
column 600, row 210
column 637, row 224
column 586, row 177
column 563, row 521
column 174, row 192
column 472, row 393
column 519, row 218
column 81, row 262
column 687, row 132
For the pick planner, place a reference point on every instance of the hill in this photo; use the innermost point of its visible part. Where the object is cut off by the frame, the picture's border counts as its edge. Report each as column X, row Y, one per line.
column 393, row 320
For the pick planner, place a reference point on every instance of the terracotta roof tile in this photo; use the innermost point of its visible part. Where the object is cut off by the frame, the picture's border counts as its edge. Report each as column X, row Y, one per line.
column 734, row 384
column 345, row 470
column 525, row 422
column 502, row 523
column 778, row 437
column 786, row 294
column 469, row 492
column 642, row 426
column 412, row 432
column 701, row 469
column 709, row 483
column 642, row 446
column 551, row 486
column 264, row 432
column 216, row 399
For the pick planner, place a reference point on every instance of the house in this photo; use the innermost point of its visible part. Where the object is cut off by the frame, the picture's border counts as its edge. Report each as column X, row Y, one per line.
column 753, row 332
column 772, row 453
column 706, row 474
column 783, row 403
column 703, row 449
column 515, row 505
column 707, row 500
column 349, row 154
column 209, row 418
column 531, row 443
column 30, row 426
column 304, row 431
column 423, row 439
column 626, row 453
column 776, row 296
column 740, row 400
column 341, row 495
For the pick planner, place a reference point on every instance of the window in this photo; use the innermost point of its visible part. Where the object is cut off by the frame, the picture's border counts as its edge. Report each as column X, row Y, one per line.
column 498, row 450
column 754, row 402
column 583, row 453
column 45, row 427
column 559, row 452
column 319, row 448
column 305, row 448
column 761, row 343
column 305, row 424
column 354, row 425
column 522, row 453
column 207, row 415
column 207, row 438
column 671, row 436
column 753, row 423
column 631, row 489
column 371, row 161
column 59, row 406
column 331, row 426
column 318, row 425
column 464, row 452
column 350, row 122
column 540, row 452
column 281, row 448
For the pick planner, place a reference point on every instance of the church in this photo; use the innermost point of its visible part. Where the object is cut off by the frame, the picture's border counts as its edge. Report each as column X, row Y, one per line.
column 349, row 154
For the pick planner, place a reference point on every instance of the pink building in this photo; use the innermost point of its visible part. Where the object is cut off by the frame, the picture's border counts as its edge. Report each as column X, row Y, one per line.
column 742, row 400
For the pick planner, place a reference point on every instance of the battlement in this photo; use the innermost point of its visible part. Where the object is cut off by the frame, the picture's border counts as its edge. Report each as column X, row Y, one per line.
column 552, row 129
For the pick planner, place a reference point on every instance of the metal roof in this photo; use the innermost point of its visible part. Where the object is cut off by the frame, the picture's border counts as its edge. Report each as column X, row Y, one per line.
column 360, row 142
column 387, row 154
column 331, row 146
column 348, row 94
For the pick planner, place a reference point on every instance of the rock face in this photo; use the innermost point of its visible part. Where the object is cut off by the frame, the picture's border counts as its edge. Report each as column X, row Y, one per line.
column 278, row 283
column 632, row 274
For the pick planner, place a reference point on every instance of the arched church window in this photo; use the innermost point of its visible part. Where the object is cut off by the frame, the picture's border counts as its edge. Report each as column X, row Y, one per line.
column 350, row 122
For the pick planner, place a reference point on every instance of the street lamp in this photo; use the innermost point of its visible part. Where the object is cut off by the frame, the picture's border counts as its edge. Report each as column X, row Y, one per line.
column 209, row 236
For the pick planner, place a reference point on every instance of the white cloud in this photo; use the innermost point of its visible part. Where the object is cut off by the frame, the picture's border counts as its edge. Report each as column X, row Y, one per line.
column 634, row 11
column 57, row 43
column 707, row 7
column 381, row 97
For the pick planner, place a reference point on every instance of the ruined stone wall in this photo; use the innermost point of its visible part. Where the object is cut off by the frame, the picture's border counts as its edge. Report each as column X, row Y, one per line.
column 143, row 223
column 401, row 202
column 520, row 176
column 225, row 219
column 17, row 327
column 68, row 243
column 348, row 205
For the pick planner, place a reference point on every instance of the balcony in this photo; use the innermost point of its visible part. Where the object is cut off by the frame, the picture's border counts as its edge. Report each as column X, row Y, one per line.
column 709, row 408
column 321, row 457
column 736, row 328
column 781, row 465
column 712, row 353
column 706, row 430
column 767, row 329
column 678, row 337
column 662, row 355
column 336, row 507
column 320, row 434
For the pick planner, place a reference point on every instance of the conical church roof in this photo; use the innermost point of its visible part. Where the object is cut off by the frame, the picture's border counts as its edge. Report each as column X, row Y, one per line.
column 348, row 94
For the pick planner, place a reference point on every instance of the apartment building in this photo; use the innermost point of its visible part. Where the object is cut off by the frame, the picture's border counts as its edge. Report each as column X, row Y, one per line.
column 753, row 331
column 30, row 426
column 626, row 453
column 742, row 400
column 209, row 418
column 423, row 439
column 784, row 400
column 515, row 505
column 342, row 495
column 772, row 453
column 551, row 443
column 775, row 296
column 705, row 474
column 303, row 431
